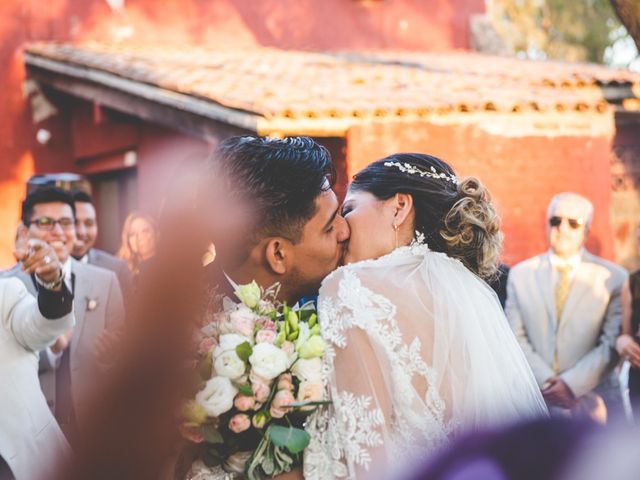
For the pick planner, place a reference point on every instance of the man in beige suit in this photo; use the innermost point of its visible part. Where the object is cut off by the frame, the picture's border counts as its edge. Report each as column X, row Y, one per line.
column 565, row 308
column 69, row 368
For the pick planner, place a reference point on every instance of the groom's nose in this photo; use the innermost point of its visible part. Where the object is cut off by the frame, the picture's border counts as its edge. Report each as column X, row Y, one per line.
column 343, row 231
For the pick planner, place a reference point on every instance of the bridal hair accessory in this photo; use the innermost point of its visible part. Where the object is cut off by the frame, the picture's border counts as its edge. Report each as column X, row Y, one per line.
column 413, row 170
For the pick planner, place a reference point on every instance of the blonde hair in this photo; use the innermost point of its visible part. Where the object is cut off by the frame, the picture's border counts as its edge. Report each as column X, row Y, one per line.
column 125, row 252
column 472, row 229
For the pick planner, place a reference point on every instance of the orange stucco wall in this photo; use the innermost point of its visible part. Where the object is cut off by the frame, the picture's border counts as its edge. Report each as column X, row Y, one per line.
column 522, row 173
column 300, row 24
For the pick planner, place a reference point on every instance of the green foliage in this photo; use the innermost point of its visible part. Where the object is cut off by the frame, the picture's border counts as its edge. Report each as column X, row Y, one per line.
column 572, row 30
column 244, row 351
column 293, row 439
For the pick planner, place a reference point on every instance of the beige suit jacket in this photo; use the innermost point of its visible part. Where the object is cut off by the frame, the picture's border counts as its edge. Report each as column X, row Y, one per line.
column 585, row 335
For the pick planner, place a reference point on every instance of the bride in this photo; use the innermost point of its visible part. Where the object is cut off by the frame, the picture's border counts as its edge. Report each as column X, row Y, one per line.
column 420, row 349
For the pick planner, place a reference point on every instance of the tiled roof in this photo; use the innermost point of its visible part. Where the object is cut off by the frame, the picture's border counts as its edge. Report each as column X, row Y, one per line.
column 295, row 85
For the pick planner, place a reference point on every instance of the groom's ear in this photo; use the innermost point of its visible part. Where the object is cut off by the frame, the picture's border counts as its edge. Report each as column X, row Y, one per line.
column 276, row 254
column 403, row 204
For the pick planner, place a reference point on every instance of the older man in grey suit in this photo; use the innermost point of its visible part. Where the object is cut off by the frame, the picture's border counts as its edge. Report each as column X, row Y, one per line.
column 69, row 367
column 565, row 308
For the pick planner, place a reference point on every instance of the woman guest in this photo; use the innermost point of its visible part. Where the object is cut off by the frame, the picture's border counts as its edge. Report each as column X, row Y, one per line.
column 139, row 238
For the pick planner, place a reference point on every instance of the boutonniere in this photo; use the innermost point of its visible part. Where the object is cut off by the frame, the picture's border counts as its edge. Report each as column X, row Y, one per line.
column 92, row 304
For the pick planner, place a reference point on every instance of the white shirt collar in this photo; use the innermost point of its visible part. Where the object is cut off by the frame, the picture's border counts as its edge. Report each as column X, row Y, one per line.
column 84, row 259
column 573, row 261
column 231, row 282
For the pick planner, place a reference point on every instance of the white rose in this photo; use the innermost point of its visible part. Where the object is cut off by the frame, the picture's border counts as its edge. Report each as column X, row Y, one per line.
column 308, row 370
column 268, row 361
column 243, row 321
column 217, row 396
column 229, row 365
column 229, row 342
column 303, row 334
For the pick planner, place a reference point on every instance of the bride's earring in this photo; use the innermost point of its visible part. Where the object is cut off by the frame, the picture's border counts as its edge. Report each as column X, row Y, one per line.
column 395, row 229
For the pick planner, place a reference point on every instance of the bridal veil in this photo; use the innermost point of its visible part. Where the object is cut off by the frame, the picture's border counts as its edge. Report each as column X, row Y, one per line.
column 419, row 350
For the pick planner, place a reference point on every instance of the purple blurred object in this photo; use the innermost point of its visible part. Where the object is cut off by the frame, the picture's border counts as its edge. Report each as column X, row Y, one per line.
column 538, row 450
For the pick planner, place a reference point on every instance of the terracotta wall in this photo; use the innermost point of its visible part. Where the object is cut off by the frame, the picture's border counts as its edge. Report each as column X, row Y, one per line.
column 625, row 201
column 522, row 172
column 303, row 24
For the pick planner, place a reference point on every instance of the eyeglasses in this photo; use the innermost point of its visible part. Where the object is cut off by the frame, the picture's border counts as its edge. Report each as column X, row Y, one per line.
column 574, row 223
column 48, row 223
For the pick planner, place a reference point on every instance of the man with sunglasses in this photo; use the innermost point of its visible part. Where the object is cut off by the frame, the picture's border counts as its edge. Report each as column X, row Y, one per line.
column 565, row 308
column 68, row 368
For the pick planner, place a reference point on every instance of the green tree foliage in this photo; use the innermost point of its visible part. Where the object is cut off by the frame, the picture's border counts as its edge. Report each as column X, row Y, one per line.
column 573, row 30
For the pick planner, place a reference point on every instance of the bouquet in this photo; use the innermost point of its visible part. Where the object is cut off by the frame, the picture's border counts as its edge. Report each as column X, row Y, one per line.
column 260, row 376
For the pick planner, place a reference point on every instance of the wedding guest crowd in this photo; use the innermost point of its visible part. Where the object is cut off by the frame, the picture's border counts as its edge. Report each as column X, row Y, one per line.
column 576, row 317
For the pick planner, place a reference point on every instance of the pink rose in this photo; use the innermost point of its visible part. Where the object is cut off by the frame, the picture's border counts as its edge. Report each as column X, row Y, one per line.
column 279, row 405
column 260, row 391
column 285, row 382
column 244, row 402
column 267, row 324
column 266, row 336
column 243, row 321
column 288, row 347
column 206, row 345
column 239, row 423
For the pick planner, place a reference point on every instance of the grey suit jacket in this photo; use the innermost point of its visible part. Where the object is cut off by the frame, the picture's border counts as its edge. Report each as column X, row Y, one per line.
column 31, row 441
column 585, row 335
column 102, row 259
column 97, row 306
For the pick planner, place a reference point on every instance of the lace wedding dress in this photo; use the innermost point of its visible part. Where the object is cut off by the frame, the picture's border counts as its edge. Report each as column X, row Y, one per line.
column 419, row 349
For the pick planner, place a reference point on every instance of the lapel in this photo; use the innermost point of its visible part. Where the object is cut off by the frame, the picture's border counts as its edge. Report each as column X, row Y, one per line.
column 581, row 285
column 544, row 280
column 82, row 291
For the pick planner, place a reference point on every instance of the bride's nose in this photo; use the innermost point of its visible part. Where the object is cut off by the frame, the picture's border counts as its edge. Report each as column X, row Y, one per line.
column 343, row 229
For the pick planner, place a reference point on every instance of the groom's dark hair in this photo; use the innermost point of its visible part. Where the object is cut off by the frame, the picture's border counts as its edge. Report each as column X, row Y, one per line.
column 280, row 178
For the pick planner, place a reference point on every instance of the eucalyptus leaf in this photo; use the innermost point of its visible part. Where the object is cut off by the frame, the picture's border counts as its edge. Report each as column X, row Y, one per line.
column 293, row 439
column 211, row 434
column 244, row 351
column 244, row 389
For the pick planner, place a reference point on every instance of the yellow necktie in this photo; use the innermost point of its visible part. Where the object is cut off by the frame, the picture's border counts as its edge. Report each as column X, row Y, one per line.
column 562, row 291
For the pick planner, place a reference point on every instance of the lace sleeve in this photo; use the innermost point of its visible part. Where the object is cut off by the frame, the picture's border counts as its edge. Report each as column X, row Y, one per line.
column 354, row 430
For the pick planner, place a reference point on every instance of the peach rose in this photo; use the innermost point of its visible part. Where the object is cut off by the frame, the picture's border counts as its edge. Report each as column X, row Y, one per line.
column 310, row 392
column 239, row 423
column 260, row 391
column 285, row 382
column 279, row 405
column 244, row 402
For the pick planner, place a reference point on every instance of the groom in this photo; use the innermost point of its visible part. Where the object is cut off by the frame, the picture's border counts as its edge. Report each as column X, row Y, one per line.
column 278, row 218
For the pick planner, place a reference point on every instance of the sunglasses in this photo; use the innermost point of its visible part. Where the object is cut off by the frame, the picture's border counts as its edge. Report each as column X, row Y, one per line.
column 48, row 223
column 574, row 223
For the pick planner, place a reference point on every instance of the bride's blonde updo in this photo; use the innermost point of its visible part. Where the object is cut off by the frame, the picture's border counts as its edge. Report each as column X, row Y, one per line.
column 456, row 217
